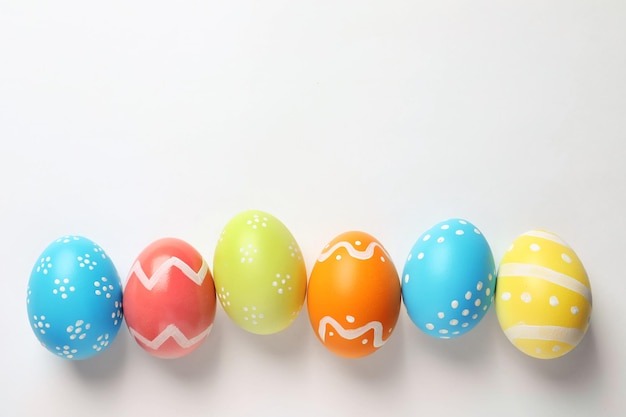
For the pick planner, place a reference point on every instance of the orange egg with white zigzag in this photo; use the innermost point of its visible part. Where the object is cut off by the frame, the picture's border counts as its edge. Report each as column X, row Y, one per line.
column 354, row 295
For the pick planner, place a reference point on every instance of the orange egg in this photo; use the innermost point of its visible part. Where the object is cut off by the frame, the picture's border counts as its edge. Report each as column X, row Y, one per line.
column 354, row 295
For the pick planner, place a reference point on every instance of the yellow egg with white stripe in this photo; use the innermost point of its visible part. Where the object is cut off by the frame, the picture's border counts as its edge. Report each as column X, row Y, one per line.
column 543, row 296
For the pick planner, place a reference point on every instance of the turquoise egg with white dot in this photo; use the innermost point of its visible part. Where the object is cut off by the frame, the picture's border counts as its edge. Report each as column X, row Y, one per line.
column 449, row 279
column 74, row 298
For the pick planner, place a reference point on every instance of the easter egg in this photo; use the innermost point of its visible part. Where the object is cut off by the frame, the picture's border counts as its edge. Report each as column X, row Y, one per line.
column 169, row 299
column 543, row 298
column 449, row 279
column 74, row 299
column 260, row 275
column 354, row 295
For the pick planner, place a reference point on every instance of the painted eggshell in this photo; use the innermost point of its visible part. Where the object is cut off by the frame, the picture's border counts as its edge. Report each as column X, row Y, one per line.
column 260, row 275
column 543, row 298
column 354, row 295
column 169, row 299
column 74, row 298
column 449, row 279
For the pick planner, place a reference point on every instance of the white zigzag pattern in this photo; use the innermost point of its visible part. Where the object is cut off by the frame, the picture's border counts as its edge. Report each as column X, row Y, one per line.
column 173, row 332
column 355, row 253
column 351, row 334
column 150, row 282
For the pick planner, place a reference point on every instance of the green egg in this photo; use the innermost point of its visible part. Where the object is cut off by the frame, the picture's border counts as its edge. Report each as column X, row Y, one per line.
column 259, row 273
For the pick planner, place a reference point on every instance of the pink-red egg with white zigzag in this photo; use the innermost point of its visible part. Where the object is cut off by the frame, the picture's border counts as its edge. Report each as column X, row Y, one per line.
column 169, row 299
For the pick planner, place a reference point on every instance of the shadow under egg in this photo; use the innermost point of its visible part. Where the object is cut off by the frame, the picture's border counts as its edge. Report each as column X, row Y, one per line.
column 383, row 366
column 471, row 349
column 107, row 365
column 290, row 344
column 577, row 370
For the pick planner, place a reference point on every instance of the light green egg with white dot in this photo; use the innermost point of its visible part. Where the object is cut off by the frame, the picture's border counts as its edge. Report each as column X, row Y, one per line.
column 259, row 273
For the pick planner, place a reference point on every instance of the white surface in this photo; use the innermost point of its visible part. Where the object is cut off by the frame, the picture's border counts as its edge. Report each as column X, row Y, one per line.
column 130, row 121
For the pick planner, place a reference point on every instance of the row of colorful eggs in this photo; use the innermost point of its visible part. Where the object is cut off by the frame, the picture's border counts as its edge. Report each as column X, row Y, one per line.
column 354, row 293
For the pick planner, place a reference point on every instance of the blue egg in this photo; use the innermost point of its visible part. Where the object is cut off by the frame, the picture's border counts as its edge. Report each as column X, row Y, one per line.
column 74, row 299
column 449, row 279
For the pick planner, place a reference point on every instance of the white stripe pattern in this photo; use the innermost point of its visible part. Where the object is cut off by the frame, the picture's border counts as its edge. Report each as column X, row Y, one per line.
column 171, row 331
column 150, row 282
column 354, row 252
column 567, row 335
column 515, row 270
column 547, row 236
column 351, row 334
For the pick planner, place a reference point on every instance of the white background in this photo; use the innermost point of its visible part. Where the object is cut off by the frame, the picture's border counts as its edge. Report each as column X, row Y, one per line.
column 128, row 121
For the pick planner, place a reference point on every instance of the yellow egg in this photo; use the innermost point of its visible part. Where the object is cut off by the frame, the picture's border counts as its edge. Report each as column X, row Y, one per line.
column 543, row 297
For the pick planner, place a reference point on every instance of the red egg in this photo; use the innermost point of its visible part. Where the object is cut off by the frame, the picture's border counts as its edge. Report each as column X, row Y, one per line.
column 169, row 299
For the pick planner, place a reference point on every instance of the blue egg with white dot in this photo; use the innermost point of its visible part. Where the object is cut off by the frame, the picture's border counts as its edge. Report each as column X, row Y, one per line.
column 449, row 279
column 74, row 298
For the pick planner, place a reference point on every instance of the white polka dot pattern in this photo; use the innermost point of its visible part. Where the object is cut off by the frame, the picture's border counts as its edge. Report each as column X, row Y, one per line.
column 449, row 279
column 74, row 298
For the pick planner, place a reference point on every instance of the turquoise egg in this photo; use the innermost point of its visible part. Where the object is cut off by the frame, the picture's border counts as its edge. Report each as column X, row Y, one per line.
column 449, row 279
column 74, row 298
